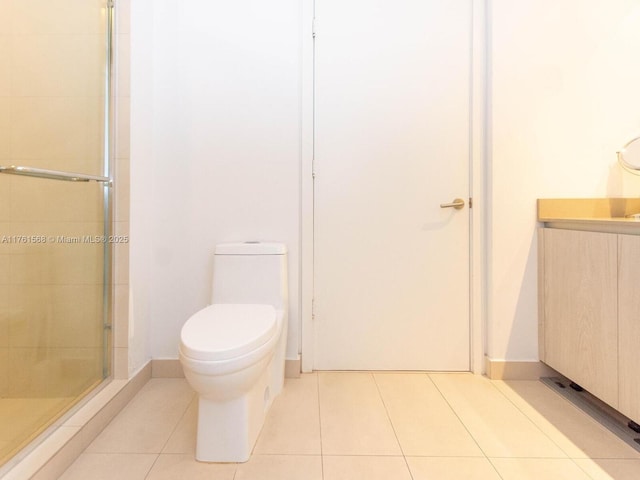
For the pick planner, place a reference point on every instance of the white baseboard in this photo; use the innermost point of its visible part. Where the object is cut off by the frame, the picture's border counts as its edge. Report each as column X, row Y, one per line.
column 166, row 368
column 292, row 368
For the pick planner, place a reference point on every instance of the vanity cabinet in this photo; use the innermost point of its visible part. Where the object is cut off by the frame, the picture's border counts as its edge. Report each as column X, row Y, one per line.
column 629, row 325
column 589, row 296
column 579, row 308
column 590, row 312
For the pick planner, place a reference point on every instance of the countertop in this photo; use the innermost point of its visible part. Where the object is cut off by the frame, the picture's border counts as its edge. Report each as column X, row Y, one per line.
column 594, row 214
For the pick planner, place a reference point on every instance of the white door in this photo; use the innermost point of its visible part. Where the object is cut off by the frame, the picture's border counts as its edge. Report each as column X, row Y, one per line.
column 392, row 121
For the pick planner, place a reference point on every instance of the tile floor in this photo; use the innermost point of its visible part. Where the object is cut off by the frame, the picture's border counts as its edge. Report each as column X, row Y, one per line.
column 373, row 426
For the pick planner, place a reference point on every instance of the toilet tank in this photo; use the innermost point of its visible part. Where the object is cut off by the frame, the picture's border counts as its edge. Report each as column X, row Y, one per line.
column 250, row 272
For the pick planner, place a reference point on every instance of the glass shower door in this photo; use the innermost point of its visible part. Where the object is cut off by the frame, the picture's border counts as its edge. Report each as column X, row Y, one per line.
column 54, row 212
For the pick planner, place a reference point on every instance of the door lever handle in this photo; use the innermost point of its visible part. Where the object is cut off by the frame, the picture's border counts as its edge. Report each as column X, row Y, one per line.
column 457, row 203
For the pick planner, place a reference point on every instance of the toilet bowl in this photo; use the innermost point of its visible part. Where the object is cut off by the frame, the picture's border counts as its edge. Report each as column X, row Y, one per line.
column 232, row 351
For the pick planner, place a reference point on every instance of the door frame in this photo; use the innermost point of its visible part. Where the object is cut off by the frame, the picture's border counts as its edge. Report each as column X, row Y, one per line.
column 478, row 163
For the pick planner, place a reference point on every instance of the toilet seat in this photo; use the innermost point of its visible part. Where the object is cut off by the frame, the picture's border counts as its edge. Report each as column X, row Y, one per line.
column 226, row 331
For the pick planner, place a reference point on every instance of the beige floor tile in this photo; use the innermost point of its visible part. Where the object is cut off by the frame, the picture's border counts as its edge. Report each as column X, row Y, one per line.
column 352, row 416
column 145, row 424
column 183, row 438
column 608, row 469
column 575, row 432
column 281, row 467
column 292, row 425
column 365, row 468
column 109, row 466
column 422, row 419
column 538, row 468
column 500, row 429
column 448, row 468
column 183, row 467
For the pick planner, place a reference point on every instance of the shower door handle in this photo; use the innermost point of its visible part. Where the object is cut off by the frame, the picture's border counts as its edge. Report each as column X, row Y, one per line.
column 457, row 203
column 54, row 174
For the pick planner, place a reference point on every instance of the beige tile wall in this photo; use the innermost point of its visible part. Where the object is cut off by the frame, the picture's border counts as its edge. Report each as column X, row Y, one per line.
column 121, row 193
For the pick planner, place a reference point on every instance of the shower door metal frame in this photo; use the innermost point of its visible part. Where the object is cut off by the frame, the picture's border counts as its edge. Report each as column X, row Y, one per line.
column 108, row 171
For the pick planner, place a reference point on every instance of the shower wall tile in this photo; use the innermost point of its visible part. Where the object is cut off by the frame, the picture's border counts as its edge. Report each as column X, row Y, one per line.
column 5, row 23
column 5, row 202
column 6, row 229
column 121, row 316
column 29, row 371
column 121, row 255
column 5, row 141
column 70, row 17
column 74, row 370
column 31, row 266
column 123, row 13
column 5, row 113
column 122, row 190
column 5, row 136
column 30, row 316
column 56, row 262
column 32, row 200
column 57, row 132
column 4, row 316
column 66, row 229
column 56, row 316
column 5, row 264
column 123, row 65
column 53, row 372
column 57, row 65
column 5, row 62
column 4, row 371
column 123, row 127
column 78, row 312
column 120, row 363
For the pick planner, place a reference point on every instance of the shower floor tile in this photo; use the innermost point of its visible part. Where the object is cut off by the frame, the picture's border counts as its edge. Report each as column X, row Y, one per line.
column 360, row 425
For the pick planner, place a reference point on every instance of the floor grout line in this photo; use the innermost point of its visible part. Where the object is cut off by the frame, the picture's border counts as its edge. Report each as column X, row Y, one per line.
column 493, row 385
column 456, row 414
column 444, row 397
column 568, row 457
column 320, row 425
column 175, row 428
column 573, row 460
column 386, row 409
column 583, row 467
column 151, row 467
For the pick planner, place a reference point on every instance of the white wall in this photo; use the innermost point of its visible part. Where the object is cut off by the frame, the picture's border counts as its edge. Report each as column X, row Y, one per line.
column 565, row 96
column 223, row 159
column 141, row 183
column 216, row 144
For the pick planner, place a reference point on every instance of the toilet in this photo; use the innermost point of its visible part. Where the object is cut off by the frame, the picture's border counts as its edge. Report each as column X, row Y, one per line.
column 232, row 351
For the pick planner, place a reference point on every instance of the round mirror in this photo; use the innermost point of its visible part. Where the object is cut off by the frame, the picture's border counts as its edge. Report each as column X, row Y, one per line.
column 629, row 156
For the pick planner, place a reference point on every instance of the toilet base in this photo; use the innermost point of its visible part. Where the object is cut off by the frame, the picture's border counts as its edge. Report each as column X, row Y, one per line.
column 227, row 431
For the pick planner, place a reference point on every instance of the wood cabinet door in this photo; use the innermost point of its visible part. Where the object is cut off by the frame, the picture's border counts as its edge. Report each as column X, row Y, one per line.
column 581, row 309
column 629, row 325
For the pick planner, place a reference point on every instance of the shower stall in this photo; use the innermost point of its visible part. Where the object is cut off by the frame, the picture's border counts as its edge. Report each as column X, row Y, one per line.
column 55, row 213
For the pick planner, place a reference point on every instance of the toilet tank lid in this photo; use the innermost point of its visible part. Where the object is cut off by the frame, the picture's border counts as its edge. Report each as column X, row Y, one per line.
column 251, row 248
